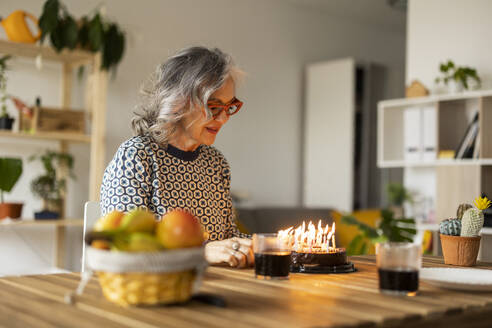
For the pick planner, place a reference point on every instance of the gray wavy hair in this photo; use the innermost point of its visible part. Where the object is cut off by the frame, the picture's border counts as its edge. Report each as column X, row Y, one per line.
column 178, row 86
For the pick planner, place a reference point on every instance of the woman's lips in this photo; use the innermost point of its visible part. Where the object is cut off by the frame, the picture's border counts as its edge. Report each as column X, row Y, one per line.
column 213, row 130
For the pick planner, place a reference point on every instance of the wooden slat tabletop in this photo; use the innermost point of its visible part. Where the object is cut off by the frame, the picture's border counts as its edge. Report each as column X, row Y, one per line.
column 344, row 300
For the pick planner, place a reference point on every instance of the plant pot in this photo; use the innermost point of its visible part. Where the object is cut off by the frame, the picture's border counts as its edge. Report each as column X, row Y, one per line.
column 462, row 251
column 10, row 210
column 455, row 86
column 6, row 123
column 46, row 215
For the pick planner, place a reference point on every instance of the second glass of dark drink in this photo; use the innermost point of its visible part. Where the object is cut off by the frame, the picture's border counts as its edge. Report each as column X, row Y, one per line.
column 398, row 267
column 272, row 256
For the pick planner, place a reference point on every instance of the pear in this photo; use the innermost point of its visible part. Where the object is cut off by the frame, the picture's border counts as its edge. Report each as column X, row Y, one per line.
column 137, row 242
column 138, row 220
column 110, row 221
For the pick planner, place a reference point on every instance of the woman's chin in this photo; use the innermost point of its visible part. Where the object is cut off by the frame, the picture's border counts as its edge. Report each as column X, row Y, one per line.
column 208, row 141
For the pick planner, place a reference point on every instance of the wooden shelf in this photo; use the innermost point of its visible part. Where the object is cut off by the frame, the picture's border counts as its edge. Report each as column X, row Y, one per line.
column 32, row 222
column 55, row 136
column 438, row 162
column 32, row 50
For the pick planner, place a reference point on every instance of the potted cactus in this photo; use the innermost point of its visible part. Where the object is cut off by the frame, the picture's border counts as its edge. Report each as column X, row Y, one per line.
column 459, row 237
column 10, row 171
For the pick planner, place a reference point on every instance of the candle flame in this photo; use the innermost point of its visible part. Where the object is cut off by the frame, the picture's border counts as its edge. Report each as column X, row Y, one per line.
column 320, row 239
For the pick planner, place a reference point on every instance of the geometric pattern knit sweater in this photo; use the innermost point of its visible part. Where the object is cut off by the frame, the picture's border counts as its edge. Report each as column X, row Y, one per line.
column 144, row 174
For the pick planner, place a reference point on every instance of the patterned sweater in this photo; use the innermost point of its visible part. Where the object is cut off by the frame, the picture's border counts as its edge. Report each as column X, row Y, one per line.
column 144, row 174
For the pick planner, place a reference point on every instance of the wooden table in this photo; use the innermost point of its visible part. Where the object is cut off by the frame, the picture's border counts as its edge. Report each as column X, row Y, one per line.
column 346, row 300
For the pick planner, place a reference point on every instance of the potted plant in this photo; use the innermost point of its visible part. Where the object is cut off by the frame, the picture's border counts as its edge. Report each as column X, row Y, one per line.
column 460, row 238
column 5, row 120
column 51, row 186
column 92, row 32
column 397, row 196
column 10, row 171
column 458, row 77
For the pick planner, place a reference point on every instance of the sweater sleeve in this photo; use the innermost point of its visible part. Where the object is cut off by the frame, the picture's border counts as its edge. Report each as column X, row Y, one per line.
column 126, row 181
column 231, row 227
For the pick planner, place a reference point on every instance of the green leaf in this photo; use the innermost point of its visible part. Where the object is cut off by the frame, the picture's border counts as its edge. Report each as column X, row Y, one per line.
column 369, row 231
column 70, row 33
column 49, row 18
column 56, row 37
column 83, row 37
column 114, row 46
column 95, row 33
column 10, row 171
column 363, row 248
column 354, row 245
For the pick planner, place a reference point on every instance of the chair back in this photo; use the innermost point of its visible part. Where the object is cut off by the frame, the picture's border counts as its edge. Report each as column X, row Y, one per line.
column 92, row 212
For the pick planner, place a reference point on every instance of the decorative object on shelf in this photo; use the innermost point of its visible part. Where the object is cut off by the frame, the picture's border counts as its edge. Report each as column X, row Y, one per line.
column 446, row 154
column 16, row 28
column 54, row 120
column 26, row 115
column 51, row 186
column 41, row 119
column 93, row 33
column 461, row 246
column 416, row 89
column 458, row 78
column 391, row 227
column 5, row 120
column 10, row 172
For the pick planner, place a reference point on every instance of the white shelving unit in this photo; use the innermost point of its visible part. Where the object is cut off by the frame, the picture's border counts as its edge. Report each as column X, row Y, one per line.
column 448, row 182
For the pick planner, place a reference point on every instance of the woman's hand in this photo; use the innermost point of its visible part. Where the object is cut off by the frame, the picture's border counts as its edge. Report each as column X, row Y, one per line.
column 237, row 252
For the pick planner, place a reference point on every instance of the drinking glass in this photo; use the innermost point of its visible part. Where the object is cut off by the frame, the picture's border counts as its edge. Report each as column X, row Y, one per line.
column 398, row 267
column 272, row 256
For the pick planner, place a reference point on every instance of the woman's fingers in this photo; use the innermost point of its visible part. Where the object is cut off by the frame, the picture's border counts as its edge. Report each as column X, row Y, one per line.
column 245, row 247
column 248, row 252
column 232, row 260
column 240, row 259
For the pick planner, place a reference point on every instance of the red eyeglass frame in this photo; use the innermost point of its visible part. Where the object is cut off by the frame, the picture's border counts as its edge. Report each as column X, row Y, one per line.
column 223, row 107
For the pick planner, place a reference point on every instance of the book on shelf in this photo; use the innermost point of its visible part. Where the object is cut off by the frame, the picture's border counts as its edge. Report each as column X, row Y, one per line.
column 476, row 150
column 467, row 144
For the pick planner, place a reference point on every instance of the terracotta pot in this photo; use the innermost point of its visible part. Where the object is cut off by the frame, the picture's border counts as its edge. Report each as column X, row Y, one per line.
column 462, row 251
column 10, row 210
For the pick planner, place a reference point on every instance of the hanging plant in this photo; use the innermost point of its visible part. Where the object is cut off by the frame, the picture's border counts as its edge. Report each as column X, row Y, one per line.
column 92, row 32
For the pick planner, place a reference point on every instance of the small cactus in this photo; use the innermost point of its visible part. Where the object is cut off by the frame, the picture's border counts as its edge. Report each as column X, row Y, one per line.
column 450, row 227
column 462, row 209
column 473, row 218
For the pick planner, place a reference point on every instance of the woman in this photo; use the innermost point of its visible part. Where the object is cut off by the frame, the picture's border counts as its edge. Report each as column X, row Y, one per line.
column 170, row 162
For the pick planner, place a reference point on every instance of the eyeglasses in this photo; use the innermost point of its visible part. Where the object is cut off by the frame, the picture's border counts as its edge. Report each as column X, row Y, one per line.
column 231, row 108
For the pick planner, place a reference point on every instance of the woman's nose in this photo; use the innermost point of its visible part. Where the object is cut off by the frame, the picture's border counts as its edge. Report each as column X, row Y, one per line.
column 222, row 117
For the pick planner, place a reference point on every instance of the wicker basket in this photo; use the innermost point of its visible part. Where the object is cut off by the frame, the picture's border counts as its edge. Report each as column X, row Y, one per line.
column 163, row 278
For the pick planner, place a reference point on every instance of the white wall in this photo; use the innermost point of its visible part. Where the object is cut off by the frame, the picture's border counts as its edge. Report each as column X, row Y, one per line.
column 438, row 30
column 271, row 40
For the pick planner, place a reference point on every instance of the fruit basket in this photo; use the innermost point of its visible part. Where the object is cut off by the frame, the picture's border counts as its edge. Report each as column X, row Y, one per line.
column 143, row 262
column 150, row 278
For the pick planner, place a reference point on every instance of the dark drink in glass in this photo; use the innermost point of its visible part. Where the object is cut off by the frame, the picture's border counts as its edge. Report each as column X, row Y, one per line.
column 399, row 280
column 398, row 268
column 272, row 256
column 272, row 264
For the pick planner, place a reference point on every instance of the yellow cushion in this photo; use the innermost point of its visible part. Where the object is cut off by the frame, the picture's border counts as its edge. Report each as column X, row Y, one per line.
column 345, row 233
